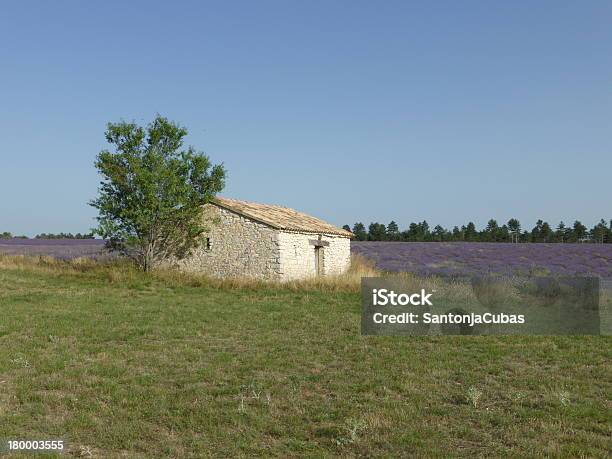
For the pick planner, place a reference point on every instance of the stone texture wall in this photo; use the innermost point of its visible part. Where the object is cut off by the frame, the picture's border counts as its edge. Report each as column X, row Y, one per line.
column 337, row 256
column 297, row 255
column 239, row 247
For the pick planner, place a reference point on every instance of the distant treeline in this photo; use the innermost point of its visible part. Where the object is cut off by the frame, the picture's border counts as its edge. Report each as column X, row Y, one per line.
column 7, row 235
column 510, row 232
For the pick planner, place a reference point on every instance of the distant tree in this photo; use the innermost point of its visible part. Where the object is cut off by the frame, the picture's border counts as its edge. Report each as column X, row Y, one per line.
column 471, row 235
column 152, row 192
column 377, row 232
column 458, row 235
column 412, row 233
column 503, row 234
column 439, row 233
column 392, row 231
column 579, row 231
column 536, row 232
column 490, row 233
column 599, row 232
column 64, row 236
column 6, row 235
column 424, row 232
column 360, row 232
column 546, row 234
column 347, row 228
column 525, row 236
column 560, row 234
column 514, row 229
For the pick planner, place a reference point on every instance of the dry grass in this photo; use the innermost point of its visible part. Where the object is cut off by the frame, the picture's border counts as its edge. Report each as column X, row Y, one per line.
column 122, row 271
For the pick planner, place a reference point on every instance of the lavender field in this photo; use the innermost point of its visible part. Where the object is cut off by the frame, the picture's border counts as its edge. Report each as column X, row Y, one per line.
column 423, row 258
column 469, row 258
column 64, row 249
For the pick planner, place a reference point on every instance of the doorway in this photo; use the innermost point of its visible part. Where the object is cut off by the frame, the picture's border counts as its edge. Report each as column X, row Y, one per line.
column 318, row 260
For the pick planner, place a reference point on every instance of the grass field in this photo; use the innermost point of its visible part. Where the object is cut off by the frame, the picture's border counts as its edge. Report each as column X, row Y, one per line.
column 120, row 363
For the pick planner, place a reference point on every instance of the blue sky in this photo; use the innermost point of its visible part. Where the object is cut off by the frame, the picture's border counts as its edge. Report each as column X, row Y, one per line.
column 348, row 110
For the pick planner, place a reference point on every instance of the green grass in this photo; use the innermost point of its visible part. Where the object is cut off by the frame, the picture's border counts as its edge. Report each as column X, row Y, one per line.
column 144, row 366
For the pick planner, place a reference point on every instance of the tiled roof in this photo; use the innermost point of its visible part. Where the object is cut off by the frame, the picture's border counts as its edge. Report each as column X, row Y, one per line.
column 282, row 218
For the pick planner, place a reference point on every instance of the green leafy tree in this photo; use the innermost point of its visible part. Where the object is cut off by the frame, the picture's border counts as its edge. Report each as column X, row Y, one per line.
column 471, row 235
column 491, row 231
column 152, row 190
column 412, row 233
column 393, row 233
column 424, row 233
column 536, row 232
column 579, row 231
column 377, row 232
column 458, row 234
column 599, row 232
column 561, row 232
column 360, row 232
column 439, row 234
column 514, row 230
column 546, row 233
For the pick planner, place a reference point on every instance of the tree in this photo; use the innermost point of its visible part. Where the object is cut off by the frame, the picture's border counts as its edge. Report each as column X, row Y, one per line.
column 599, row 232
column 470, row 232
column 424, row 233
column 393, row 233
column 578, row 231
column 490, row 232
column 152, row 190
column 560, row 234
column 346, row 228
column 546, row 233
column 536, row 232
column 360, row 232
column 458, row 234
column 514, row 228
column 377, row 232
column 411, row 234
column 439, row 233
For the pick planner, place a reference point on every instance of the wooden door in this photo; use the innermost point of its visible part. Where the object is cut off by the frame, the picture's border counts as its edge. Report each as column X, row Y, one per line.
column 317, row 260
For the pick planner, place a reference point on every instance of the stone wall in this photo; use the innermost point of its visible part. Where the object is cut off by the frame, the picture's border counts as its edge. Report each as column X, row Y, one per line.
column 297, row 255
column 336, row 256
column 239, row 247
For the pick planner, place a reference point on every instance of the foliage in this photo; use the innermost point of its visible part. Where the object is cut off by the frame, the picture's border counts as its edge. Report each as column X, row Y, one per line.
column 377, row 232
column 152, row 191
column 64, row 236
column 511, row 232
column 360, row 232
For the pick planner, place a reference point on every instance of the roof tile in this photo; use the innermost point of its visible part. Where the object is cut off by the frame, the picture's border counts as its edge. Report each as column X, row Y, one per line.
column 282, row 218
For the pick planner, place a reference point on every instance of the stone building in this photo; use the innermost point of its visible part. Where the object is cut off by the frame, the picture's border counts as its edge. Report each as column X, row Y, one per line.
column 247, row 239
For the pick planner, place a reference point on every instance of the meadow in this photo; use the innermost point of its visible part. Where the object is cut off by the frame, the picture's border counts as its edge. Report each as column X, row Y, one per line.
column 125, row 364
